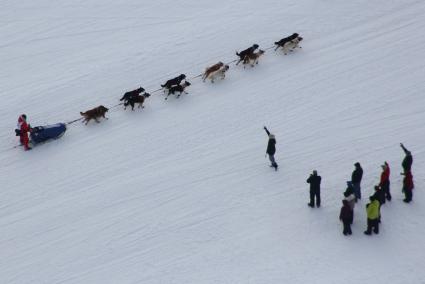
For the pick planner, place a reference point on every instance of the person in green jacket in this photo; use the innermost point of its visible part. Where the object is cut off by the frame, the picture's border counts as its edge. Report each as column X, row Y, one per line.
column 372, row 210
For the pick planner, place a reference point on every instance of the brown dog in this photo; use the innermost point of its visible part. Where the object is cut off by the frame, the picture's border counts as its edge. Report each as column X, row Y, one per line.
column 211, row 70
column 95, row 113
column 252, row 59
column 220, row 73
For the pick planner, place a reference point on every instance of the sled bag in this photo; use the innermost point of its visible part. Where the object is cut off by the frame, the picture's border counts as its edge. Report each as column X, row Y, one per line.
column 43, row 133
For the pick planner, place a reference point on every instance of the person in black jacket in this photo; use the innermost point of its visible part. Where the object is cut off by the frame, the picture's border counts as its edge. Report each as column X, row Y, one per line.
column 346, row 216
column 314, row 181
column 271, row 148
column 408, row 159
column 356, row 178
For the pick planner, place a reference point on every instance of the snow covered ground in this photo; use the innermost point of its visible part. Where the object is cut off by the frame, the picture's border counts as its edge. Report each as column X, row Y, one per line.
column 181, row 192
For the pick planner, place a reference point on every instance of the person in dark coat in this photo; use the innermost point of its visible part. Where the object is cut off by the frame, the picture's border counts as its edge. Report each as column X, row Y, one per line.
column 271, row 148
column 379, row 194
column 314, row 181
column 346, row 216
column 356, row 178
column 408, row 186
column 351, row 200
column 384, row 182
column 408, row 159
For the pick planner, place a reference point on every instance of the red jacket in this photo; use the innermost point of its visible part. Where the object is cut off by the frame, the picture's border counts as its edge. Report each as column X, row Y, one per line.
column 23, row 126
column 385, row 176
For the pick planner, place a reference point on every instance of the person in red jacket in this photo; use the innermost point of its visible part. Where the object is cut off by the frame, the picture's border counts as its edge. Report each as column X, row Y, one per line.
column 24, row 128
column 408, row 186
column 384, row 183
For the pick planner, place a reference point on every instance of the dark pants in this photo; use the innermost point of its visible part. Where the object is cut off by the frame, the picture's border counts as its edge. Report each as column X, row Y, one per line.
column 372, row 224
column 273, row 161
column 386, row 190
column 347, row 227
column 408, row 194
column 313, row 194
column 357, row 191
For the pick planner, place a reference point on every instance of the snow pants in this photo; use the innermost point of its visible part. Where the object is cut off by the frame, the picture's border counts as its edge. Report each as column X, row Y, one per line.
column 24, row 140
column 386, row 189
column 347, row 227
column 372, row 224
column 357, row 191
column 315, row 194
column 408, row 194
column 273, row 161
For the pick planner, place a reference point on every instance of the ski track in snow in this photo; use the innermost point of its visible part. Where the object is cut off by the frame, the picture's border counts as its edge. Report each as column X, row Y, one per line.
column 180, row 192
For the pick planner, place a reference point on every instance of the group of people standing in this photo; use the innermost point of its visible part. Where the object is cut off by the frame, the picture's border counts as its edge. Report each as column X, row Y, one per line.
column 381, row 195
column 353, row 191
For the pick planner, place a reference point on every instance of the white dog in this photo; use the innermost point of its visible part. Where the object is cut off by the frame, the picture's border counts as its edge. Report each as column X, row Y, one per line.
column 292, row 45
column 220, row 73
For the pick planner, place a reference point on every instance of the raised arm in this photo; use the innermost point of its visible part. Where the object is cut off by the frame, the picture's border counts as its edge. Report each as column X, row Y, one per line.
column 404, row 148
column 267, row 131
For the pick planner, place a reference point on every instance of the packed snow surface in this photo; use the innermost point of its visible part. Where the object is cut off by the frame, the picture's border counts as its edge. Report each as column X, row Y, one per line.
column 181, row 191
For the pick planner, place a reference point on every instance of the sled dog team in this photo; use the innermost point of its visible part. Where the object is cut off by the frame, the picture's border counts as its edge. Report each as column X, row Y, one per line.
column 178, row 85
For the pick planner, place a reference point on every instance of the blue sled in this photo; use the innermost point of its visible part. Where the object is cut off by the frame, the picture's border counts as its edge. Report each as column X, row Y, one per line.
column 42, row 134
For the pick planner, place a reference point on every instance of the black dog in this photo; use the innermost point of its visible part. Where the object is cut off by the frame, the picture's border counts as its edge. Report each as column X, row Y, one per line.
column 133, row 93
column 136, row 100
column 178, row 88
column 174, row 81
column 284, row 40
column 246, row 52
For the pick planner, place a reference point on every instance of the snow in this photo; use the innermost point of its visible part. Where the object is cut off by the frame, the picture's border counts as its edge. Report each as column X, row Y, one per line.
column 180, row 192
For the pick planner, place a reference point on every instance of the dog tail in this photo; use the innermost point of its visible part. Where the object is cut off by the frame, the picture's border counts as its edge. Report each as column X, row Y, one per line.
column 163, row 85
column 82, row 113
column 237, row 53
